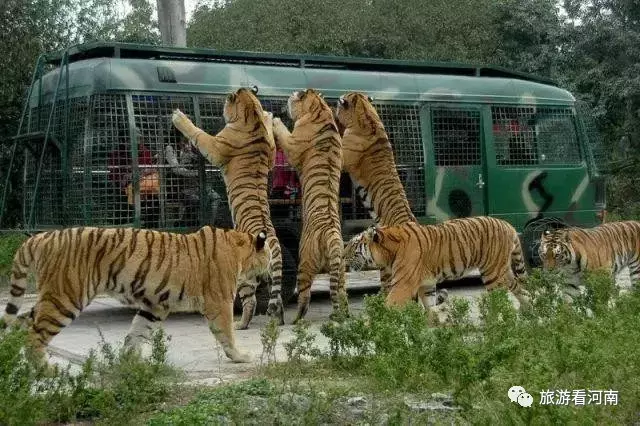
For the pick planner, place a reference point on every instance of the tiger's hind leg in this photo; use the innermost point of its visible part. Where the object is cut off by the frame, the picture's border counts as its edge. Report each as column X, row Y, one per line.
column 505, row 278
column 219, row 314
column 16, row 294
column 50, row 315
column 144, row 323
column 247, row 295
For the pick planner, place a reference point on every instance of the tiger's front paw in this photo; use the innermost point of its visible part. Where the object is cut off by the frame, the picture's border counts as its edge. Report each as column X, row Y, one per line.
column 279, row 129
column 178, row 117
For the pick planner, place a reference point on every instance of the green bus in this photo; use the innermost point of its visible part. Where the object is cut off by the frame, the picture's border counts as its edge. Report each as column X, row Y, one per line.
column 468, row 140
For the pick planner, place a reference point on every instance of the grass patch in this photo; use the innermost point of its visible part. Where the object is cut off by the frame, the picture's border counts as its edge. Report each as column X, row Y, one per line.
column 113, row 387
column 9, row 244
column 390, row 366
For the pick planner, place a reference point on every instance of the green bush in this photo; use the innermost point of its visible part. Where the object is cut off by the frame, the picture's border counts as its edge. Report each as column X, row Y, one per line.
column 112, row 387
column 551, row 346
column 9, row 244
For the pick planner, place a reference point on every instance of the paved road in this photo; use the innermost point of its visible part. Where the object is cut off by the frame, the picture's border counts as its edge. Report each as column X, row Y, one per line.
column 192, row 347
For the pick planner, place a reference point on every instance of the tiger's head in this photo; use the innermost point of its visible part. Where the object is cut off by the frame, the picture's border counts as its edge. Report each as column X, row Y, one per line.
column 252, row 252
column 243, row 109
column 355, row 113
column 555, row 249
column 367, row 250
column 307, row 101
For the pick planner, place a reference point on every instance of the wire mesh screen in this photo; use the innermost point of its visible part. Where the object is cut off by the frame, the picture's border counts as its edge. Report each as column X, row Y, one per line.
column 212, row 121
column 596, row 150
column 168, row 165
column 456, row 137
column 285, row 192
column 535, row 135
column 76, row 198
column 402, row 123
column 57, row 190
column 108, row 162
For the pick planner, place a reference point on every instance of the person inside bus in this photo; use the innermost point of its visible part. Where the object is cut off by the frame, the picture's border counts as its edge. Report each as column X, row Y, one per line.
column 120, row 172
column 186, row 178
column 284, row 183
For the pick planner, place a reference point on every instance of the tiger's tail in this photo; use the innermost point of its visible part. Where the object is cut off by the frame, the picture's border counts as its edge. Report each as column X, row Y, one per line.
column 22, row 261
column 517, row 259
column 520, row 273
column 276, row 306
column 337, row 285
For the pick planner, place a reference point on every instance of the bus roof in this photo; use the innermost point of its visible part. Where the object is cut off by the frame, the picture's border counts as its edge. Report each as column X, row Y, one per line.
column 133, row 67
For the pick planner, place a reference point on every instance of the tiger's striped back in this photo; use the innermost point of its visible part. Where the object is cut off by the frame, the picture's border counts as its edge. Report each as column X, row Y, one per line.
column 314, row 148
column 427, row 254
column 156, row 269
column 612, row 246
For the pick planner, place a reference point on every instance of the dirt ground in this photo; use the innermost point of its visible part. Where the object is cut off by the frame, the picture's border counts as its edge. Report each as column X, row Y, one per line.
column 192, row 347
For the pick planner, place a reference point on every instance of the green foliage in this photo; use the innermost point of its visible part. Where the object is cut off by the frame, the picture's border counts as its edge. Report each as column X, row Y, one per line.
column 9, row 244
column 302, row 343
column 414, row 29
column 390, row 355
column 112, row 386
column 552, row 346
column 269, row 338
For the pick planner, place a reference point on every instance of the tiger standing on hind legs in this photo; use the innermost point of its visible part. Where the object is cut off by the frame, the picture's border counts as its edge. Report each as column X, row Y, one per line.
column 314, row 148
column 420, row 256
column 245, row 152
column 155, row 269
column 369, row 160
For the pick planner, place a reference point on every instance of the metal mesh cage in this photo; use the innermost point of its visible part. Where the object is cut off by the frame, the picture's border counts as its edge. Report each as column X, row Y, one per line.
column 456, row 137
column 598, row 154
column 402, row 123
column 535, row 135
column 108, row 166
column 57, row 190
column 98, row 187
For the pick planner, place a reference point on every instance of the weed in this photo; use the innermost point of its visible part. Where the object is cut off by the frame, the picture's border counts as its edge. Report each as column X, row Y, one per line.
column 112, row 386
column 9, row 244
column 302, row 343
column 269, row 338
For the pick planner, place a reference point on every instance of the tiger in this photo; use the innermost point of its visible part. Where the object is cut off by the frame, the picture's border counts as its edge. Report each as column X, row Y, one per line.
column 157, row 269
column 314, row 149
column 369, row 160
column 420, row 256
column 245, row 152
column 611, row 246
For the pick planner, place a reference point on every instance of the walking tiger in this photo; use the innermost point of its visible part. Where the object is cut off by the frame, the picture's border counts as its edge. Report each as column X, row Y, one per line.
column 156, row 269
column 420, row 256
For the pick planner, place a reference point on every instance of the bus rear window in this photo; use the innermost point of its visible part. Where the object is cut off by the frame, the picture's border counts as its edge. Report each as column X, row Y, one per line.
column 530, row 135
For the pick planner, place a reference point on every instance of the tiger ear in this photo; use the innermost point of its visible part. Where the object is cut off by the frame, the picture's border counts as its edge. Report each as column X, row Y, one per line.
column 254, row 89
column 369, row 98
column 260, row 240
column 231, row 97
column 343, row 102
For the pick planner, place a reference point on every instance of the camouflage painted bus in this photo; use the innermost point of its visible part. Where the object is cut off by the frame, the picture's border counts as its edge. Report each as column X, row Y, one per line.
column 468, row 140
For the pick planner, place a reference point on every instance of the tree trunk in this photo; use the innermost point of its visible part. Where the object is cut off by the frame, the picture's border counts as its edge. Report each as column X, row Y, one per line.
column 172, row 22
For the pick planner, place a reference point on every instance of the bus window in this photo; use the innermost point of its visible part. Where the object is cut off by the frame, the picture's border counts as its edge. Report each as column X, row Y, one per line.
column 534, row 136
